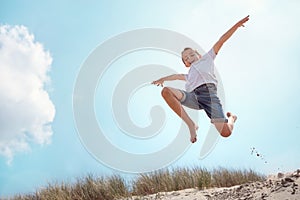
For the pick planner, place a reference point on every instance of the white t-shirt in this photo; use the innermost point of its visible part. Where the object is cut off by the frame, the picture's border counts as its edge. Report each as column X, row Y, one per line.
column 201, row 71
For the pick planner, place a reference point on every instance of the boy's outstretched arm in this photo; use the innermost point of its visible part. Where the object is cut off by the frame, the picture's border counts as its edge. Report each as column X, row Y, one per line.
column 169, row 78
column 229, row 33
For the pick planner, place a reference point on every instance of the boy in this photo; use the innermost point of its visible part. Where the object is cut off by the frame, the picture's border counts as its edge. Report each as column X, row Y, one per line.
column 201, row 88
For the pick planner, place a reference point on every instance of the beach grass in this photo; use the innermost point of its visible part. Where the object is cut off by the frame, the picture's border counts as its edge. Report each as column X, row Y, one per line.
column 92, row 187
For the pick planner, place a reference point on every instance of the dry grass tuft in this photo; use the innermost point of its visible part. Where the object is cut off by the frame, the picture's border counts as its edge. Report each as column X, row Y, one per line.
column 116, row 187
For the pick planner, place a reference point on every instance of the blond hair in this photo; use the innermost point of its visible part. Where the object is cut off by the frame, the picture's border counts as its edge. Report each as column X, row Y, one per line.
column 187, row 48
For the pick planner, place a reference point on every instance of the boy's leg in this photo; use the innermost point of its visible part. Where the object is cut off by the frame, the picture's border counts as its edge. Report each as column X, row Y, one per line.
column 209, row 100
column 225, row 129
column 172, row 97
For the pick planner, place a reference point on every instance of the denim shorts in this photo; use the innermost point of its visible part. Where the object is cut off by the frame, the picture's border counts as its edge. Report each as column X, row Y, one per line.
column 205, row 97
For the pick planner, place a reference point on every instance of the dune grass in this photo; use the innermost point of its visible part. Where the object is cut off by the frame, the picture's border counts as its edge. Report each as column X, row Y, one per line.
column 197, row 177
column 88, row 188
column 116, row 187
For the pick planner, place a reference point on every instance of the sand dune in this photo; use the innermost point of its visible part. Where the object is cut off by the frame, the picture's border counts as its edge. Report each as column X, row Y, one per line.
column 276, row 187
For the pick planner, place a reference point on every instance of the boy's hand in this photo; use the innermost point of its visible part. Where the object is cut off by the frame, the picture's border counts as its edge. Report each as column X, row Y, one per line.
column 158, row 82
column 242, row 21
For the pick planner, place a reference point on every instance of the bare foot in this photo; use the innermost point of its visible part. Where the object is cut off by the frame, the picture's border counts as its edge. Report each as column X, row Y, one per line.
column 230, row 115
column 193, row 130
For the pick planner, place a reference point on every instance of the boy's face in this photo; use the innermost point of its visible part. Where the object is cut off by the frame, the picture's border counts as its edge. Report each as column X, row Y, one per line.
column 189, row 56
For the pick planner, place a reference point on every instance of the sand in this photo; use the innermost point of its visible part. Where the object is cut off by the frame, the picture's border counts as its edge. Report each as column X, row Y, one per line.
column 276, row 187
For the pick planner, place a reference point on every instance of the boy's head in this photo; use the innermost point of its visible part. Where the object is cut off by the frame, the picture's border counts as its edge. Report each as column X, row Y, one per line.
column 189, row 56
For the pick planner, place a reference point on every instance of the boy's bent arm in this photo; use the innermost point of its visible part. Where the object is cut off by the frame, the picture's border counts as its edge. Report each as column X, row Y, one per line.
column 174, row 77
column 229, row 33
column 179, row 77
column 169, row 78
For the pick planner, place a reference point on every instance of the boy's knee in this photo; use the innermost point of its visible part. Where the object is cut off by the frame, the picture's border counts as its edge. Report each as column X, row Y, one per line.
column 166, row 92
column 223, row 129
column 226, row 132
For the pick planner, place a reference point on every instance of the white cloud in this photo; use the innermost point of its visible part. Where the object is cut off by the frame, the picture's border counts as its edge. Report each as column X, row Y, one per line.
column 26, row 111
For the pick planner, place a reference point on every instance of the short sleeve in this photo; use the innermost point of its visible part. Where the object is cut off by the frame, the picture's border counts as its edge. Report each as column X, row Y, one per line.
column 212, row 53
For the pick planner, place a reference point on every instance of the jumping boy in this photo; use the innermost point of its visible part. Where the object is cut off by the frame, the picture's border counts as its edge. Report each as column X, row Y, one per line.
column 201, row 88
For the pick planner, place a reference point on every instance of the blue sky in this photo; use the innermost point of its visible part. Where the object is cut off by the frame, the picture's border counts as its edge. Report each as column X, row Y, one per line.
column 259, row 67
